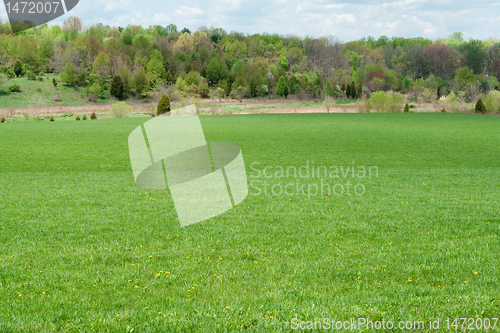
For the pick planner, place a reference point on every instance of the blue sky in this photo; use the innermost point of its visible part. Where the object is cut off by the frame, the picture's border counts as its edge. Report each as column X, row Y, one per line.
column 346, row 21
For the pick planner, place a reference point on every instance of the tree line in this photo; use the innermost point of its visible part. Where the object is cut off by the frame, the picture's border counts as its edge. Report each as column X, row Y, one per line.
column 133, row 60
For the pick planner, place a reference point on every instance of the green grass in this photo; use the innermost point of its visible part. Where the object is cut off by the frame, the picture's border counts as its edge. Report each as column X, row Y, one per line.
column 69, row 95
column 75, row 228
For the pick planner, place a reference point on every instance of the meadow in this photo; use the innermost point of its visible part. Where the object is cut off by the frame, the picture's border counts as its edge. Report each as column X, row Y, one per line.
column 84, row 249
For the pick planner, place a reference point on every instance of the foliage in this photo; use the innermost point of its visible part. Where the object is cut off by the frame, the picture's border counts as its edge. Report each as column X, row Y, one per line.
column 68, row 74
column 18, row 67
column 93, row 116
column 117, row 88
column 52, row 118
column 282, row 87
column 84, row 117
column 140, row 81
column 407, row 108
column 15, row 88
column 385, row 102
column 77, row 118
column 95, row 91
column 120, row 110
column 492, row 101
column 480, row 108
column 163, row 105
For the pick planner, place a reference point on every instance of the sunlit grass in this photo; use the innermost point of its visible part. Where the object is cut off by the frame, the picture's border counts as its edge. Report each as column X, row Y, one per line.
column 85, row 249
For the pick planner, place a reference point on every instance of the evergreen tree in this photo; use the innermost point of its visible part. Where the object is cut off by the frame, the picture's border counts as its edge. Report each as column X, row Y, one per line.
column 348, row 90
column 163, row 105
column 480, row 107
column 285, row 90
column 280, row 88
column 18, row 68
column 328, row 89
column 353, row 90
column 360, row 91
column 117, row 88
column 343, row 87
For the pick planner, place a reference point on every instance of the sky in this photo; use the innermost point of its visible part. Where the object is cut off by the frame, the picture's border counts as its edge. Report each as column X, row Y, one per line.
column 347, row 21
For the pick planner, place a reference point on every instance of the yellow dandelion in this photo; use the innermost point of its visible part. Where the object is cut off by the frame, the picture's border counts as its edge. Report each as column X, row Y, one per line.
column 161, row 271
column 188, row 290
column 136, row 286
column 215, row 274
column 129, row 280
column 145, row 287
column 157, row 274
column 40, row 271
column 150, row 256
column 465, row 281
column 168, row 272
column 43, row 292
column 159, row 312
column 91, row 258
column 228, row 307
column 146, row 308
column 196, row 285
column 475, row 273
column 271, row 317
column 192, row 287
column 138, row 251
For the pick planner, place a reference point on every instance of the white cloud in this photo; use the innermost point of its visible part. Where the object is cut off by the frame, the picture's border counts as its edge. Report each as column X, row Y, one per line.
column 188, row 11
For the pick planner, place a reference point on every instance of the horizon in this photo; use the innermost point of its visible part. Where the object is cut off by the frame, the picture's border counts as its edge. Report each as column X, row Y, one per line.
column 346, row 21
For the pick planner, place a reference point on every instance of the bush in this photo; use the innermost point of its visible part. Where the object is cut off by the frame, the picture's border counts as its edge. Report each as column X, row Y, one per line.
column 412, row 105
column 407, row 107
column 492, row 102
column 449, row 103
column 93, row 116
column 2, row 120
column 18, row 68
column 30, row 75
column 385, row 102
column 54, row 82
column 163, row 106
column 117, row 88
column 204, row 91
column 120, row 110
column 52, row 118
column 480, row 108
column 15, row 88
column 94, row 92
column 77, row 118
column 329, row 103
column 84, row 117
column 57, row 99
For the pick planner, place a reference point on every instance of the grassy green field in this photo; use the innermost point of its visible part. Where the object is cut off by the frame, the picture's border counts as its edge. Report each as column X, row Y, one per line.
column 84, row 249
column 69, row 95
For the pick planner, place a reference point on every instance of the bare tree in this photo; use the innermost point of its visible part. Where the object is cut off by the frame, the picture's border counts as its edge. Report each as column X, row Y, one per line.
column 72, row 23
column 36, row 101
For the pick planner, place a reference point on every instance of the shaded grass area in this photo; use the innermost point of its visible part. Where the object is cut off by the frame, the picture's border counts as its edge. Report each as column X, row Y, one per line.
column 83, row 248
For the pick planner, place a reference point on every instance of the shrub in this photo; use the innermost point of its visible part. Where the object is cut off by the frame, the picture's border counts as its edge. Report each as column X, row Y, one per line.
column 117, row 88
column 30, row 75
column 2, row 120
column 348, row 90
column 449, row 103
column 57, row 99
column 329, row 103
column 407, row 107
column 412, row 105
column 120, row 110
column 204, row 91
column 385, row 102
column 52, row 118
column 54, row 82
column 480, row 108
column 84, row 117
column 492, row 101
column 18, row 68
column 94, row 92
column 93, row 116
column 163, row 106
column 77, row 118
column 15, row 88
